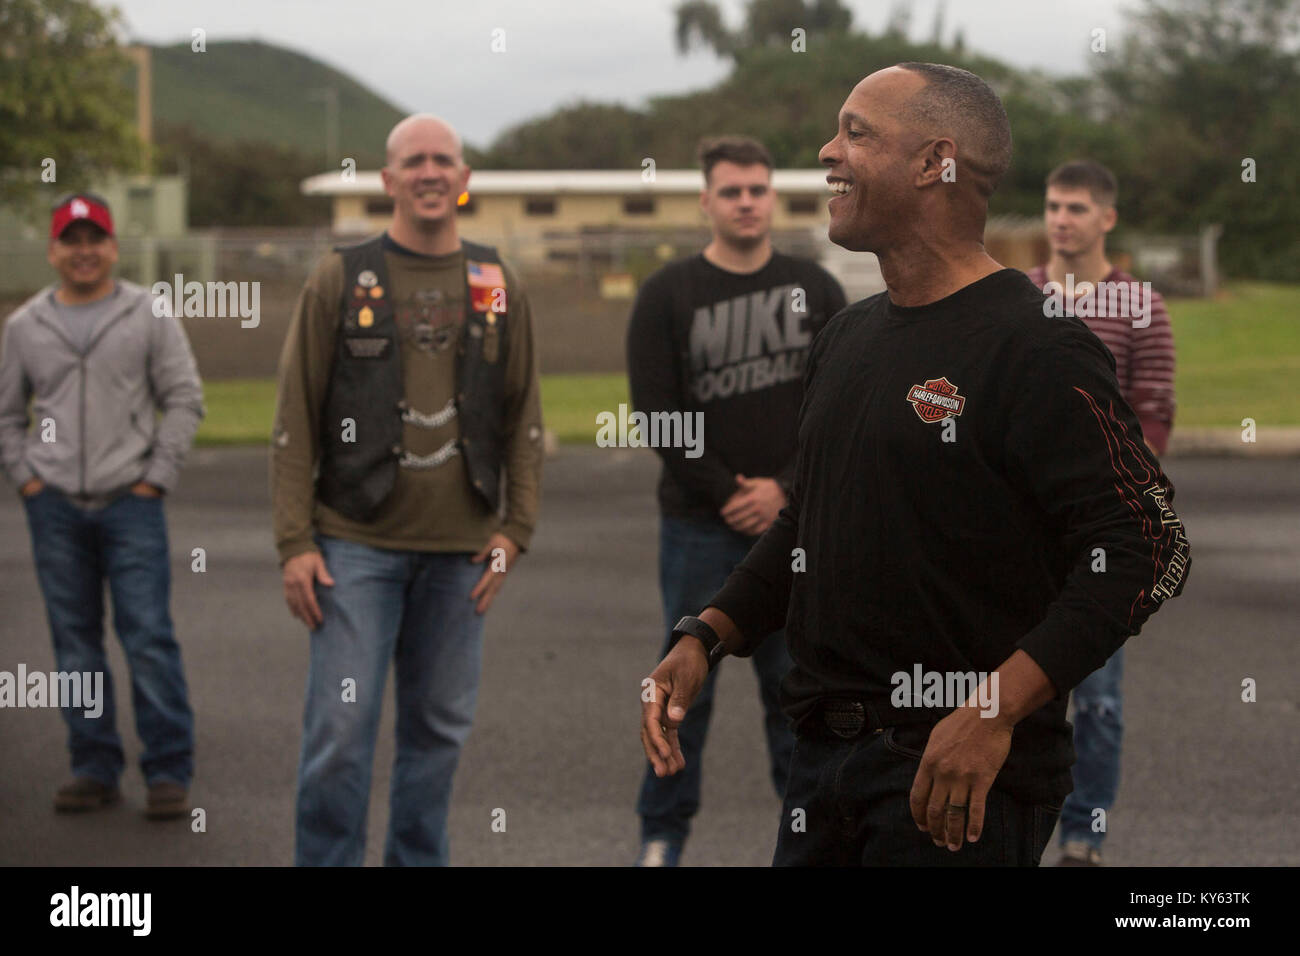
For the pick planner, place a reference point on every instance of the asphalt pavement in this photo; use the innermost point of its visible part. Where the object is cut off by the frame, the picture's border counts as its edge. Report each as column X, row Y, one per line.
column 1208, row 779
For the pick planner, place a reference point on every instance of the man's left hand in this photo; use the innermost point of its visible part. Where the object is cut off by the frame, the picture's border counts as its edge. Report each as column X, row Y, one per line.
column 146, row 490
column 494, row 575
column 963, row 755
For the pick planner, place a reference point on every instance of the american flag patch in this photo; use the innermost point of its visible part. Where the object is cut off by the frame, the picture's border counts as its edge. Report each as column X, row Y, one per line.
column 483, row 298
column 485, row 275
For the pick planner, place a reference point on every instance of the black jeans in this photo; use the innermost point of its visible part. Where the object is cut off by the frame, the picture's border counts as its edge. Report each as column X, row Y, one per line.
column 853, row 795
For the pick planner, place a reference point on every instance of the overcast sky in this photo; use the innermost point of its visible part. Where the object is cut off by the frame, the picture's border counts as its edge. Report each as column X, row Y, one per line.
column 436, row 57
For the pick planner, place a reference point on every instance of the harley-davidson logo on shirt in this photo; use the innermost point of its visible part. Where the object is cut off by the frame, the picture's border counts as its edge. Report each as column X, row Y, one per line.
column 936, row 400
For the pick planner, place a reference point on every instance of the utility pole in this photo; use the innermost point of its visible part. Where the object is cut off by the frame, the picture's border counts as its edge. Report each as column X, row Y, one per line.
column 330, row 95
column 140, row 54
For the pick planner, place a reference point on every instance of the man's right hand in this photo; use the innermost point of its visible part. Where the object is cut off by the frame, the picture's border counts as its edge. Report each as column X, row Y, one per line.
column 301, row 572
column 32, row 486
column 676, row 682
column 754, row 505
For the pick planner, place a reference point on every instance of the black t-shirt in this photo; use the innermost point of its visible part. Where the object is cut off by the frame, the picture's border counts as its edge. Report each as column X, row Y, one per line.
column 732, row 346
column 969, row 482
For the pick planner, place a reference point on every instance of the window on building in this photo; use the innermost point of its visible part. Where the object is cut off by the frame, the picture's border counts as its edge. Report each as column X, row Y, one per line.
column 379, row 207
column 539, row 206
column 468, row 208
column 801, row 205
column 140, row 209
column 638, row 206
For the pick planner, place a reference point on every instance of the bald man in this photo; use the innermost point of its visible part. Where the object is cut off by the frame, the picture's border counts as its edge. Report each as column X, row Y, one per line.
column 408, row 400
column 974, row 525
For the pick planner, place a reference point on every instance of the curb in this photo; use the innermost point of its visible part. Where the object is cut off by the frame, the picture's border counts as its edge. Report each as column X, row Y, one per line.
column 1226, row 442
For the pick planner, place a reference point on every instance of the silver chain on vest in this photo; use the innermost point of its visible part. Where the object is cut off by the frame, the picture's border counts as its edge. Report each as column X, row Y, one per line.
column 436, row 420
column 439, row 457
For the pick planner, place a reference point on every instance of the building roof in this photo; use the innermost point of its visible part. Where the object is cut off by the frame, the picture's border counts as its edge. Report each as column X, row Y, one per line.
column 551, row 181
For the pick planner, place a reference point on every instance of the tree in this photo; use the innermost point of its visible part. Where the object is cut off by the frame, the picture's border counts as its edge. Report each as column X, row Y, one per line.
column 900, row 19
column 1204, row 85
column 936, row 30
column 62, row 98
column 767, row 23
column 237, row 183
column 699, row 23
column 581, row 136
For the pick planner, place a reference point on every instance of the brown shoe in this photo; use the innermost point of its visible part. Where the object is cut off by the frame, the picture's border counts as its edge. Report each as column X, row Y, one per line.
column 1078, row 853
column 85, row 793
column 167, row 801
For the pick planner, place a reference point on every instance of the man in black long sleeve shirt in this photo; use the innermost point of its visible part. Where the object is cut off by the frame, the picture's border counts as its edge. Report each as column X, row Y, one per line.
column 723, row 335
column 972, row 497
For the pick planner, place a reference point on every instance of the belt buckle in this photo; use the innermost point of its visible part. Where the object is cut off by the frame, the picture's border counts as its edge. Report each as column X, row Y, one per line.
column 844, row 718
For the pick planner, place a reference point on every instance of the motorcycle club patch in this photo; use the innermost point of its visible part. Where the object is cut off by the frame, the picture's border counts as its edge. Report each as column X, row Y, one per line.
column 361, row 347
column 936, row 400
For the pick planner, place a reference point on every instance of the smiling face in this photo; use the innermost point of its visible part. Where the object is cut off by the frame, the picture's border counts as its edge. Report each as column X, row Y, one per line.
column 84, row 256
column 870, row 162
column 738, row 201
column 425, row 174
column 1076, row 223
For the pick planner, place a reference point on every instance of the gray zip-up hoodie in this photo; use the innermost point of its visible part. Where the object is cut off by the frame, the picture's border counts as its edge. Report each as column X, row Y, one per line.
column 97, row 432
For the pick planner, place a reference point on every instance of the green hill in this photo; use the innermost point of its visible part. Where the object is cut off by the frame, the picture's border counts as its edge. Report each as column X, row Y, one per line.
column 255, row 92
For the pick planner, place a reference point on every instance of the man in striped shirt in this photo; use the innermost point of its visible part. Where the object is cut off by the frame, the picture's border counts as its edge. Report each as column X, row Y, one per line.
column 1079, row 211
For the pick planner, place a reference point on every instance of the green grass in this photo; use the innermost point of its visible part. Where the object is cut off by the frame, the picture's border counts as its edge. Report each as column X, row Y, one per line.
column 570, row 403
column 240, row 410
column 1238, row 357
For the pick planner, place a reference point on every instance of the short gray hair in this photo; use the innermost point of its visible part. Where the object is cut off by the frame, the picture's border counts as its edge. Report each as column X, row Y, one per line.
column 957, row 103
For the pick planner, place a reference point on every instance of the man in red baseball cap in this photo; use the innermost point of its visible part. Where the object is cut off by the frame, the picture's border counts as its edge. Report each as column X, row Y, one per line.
column 80, row 206
column 82, row 248
column 115, row 396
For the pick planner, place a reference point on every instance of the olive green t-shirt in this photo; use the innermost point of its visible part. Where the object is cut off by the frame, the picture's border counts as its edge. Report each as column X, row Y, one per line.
column 433, row 506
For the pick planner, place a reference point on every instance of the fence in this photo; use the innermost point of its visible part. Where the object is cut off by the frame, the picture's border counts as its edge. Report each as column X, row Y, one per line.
column 579, row 282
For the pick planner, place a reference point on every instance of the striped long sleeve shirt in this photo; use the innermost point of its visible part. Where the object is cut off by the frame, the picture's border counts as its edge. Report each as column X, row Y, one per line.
column 1144, row 358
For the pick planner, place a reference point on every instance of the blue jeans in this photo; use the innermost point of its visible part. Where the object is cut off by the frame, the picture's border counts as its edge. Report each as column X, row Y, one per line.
column 695, row 558
column 1098, row 733
column 847, row 805
column 412, row 608
column 125, row 542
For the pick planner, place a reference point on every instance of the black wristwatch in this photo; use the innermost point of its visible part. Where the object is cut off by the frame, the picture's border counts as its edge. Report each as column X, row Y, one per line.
column 705, row 634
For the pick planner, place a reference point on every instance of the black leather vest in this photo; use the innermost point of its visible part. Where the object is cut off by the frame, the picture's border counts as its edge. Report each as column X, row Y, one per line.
column 361, row 422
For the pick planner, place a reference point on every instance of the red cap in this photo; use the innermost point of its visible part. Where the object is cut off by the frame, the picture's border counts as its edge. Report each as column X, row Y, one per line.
column 80, row 206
